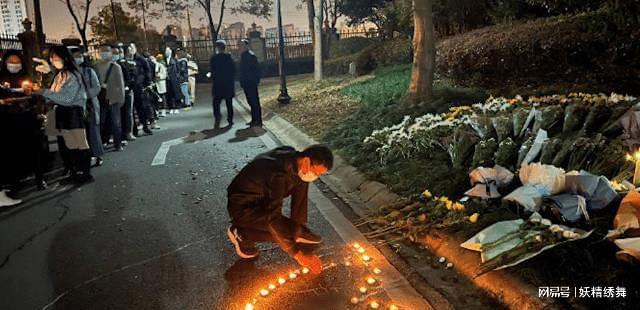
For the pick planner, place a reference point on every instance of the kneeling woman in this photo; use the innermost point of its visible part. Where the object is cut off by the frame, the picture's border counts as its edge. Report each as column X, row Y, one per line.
column 68, row 94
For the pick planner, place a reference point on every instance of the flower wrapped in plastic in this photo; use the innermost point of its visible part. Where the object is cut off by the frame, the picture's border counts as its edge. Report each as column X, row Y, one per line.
column 574, row 115
column 548, row 117
column 563, row 154
column 612, row 160
column 461, row 147
column 613, row 127
column 483, row 126
column 524, row 149
column 503, row 126
column 519, row 119
column 550, row 149
column 507, row 154
column 597, row 116
column 583, row 152
column 484, row 152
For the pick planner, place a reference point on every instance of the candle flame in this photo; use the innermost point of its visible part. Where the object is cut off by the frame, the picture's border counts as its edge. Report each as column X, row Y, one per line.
column 281, row 281
column 363, row 289
column 264, row 292
column 361, row 250
column 292, row 275
column 377, row 271
column 272, row 287
column 374, row 305
column 305, row 270
column 393, row 307
column 248, row 307
column 366, row 258
column 371, row 280
column 356, row 245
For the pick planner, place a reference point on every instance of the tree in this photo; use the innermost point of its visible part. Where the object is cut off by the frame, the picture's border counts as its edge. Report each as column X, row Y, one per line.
column 332, row 11
column 424, row 54
column 82, row 8
column 102, row 25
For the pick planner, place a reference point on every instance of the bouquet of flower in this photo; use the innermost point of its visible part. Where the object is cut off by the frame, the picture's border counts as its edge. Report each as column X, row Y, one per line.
column 582, row 152
column 519, row 118
column 611, row 160
column 524, row 149
column 612, row 127
column 461, row 146
column 574, row 116
column 550, row 149
column 483, row 126
column 548, row 117
column 503, row 126
column 598, row 114
column 563, row 154
column 484, row 152
column 507, row 154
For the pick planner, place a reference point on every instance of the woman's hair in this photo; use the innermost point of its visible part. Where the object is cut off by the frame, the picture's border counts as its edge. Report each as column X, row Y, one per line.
column 67, row 58
column 5, row 57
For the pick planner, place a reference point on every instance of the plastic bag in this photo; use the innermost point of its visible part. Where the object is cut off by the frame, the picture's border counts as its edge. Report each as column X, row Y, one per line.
column 530, row 197
column 462, row 146
column 503, row 127
column 549, row 150
column 519, row 117
column 574, row 116
column 597, row 116
column 548, row 117
column 484, row 152
column 551, row 177
column 483, row 126
column 487, row 181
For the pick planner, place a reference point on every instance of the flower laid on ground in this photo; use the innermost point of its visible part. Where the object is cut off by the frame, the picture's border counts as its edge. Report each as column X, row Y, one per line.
column 427, row 194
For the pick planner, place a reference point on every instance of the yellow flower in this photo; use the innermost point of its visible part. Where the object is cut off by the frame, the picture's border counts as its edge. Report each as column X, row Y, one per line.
column 427, row 194
column 474, row 217
column 458, row 206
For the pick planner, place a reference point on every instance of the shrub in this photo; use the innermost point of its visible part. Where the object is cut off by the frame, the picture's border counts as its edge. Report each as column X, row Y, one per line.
column 349, row 46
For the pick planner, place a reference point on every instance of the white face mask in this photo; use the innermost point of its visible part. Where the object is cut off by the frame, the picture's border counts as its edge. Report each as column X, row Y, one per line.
column 79, row 60
column 14, row 68
column 58, row 64
column 106, row 56
column 307, row 177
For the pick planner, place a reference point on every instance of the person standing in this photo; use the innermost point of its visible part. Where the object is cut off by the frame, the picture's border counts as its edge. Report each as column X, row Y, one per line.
column 193, row 72
column 183, row 77
column 68, row 94
column 160, row 80
column 256, row 195
column 111, row 96
column 127, row 108
column 173, row 96
column 249, row 80
column 92, row 83
column 222, row 72
column 142, row 77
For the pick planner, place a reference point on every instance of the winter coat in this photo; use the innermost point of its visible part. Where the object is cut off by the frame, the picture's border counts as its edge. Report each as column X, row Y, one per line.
column 262, row 185
column 114, row 83
column 93, row 88
column 249, row 69
column 161, row 78
column 183, row 71
column 223, row 73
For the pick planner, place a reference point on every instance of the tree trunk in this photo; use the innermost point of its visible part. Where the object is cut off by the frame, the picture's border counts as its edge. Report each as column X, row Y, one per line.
column 311, row 13
column 424, row 54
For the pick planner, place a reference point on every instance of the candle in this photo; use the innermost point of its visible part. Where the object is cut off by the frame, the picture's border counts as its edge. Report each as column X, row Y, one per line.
column 264, row 292
column 248, row 307
column 363, row 289
column 305, row 270
column 393, row 307
column 292, row 275
column 366, row 258
column 361, row 250
column 374, row 305
column 356, row 245
column 354, row 300
column 371, row 280
column 281, row 281
column 272, row 287
column 377, row 271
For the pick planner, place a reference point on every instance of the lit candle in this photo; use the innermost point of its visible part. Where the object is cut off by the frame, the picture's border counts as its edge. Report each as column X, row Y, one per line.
column 374, row 305
column 393, row 307
column 356, row 245
column 272, row 287
column 355, row 300
column 292, row 275
column 361, row 250
column 366, row 258
column 347, row 263
column 363, row 289
column 248, row 307
column 371, row 280
column 305, row 270
column 264, row 292
column 377, row 271
column 281, row 281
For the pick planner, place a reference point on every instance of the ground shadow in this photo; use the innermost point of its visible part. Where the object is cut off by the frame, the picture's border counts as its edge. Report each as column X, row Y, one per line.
column 247, row 133
column 112, row 262
column 205, row 134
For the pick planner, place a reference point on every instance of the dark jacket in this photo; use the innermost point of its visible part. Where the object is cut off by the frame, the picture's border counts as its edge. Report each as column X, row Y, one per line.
column 223, row 73
column 249, row 69
column 143, row 72
column 262, row 185
column 183, row 71
column 128, row 72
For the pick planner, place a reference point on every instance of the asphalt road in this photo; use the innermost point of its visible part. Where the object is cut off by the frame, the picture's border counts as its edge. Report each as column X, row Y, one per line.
column 152, row 237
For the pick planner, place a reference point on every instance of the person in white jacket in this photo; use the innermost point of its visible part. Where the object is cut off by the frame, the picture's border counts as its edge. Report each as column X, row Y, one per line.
column 160, row 80
column 192, row 66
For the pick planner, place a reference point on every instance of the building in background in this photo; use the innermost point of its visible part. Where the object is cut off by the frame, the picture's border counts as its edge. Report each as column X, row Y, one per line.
column 288, row 29
column 12, row 13
column 235, row 30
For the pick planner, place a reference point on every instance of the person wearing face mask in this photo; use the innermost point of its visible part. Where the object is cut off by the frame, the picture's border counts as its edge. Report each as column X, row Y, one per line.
column 160, row 78
column 111, row 97
column 93, row 104
column 21, row 133
column 68, row 94
column 174, row 94
column 255, row 198
column 142, row 75
column 222, row 71
column 129, row 80
column 183, row 77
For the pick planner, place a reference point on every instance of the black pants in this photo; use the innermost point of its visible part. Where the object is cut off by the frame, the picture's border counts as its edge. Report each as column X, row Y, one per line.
column 142, row 105
column 267, row 224
column 253, row 99
column 111, row 123
column 216, row 108
column 126, row 114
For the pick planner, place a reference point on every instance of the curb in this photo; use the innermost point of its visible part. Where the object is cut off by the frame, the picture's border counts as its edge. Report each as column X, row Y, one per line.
column 365, row 196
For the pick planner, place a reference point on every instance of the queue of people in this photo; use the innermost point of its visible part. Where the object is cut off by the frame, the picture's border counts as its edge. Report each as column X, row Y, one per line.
column 89, row 105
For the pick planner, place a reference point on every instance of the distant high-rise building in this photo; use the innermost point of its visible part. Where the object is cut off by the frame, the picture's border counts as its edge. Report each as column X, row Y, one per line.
column 12, row 13
column 235, row 30
column 288, row 29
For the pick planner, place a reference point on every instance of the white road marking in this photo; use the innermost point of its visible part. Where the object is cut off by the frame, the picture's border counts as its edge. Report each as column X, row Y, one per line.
column 161, row 154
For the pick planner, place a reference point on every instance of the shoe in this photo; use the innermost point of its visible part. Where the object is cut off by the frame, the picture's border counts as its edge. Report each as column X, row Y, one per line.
column 187, row 109
column 230, row 123
column 131, row 137
column 6, row 201
column 310, row 261
column 41, row 185
column 244, row 249
column 147, row 130
column 99, row 162
column 124, row 143
column 307, row 237
column 155, row 125
column 119, row 148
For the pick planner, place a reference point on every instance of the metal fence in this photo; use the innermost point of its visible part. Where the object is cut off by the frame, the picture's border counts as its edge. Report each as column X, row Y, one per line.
column 8, row 42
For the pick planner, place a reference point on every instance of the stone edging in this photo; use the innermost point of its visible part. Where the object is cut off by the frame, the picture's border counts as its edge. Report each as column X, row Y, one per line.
column 364, row 196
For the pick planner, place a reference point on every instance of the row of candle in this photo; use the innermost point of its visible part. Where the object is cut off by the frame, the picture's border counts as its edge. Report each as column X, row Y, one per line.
column 264, row 292
column 370, row 280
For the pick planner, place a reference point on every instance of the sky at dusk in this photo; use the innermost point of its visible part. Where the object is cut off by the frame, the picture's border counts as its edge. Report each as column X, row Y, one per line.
column 58, row 23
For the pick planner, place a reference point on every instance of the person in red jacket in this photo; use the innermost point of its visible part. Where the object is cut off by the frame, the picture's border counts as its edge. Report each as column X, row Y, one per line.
column 255, row 198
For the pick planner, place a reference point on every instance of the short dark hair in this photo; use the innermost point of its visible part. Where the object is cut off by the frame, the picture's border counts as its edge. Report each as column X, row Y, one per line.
column 320, row 155
column 67, row 59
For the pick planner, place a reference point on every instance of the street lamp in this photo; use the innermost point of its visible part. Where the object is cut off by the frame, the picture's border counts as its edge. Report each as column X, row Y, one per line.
column 284, row 96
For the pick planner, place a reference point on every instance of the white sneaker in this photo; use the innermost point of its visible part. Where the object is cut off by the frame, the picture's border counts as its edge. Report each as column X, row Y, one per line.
column 176, row 111
column 6, row 201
